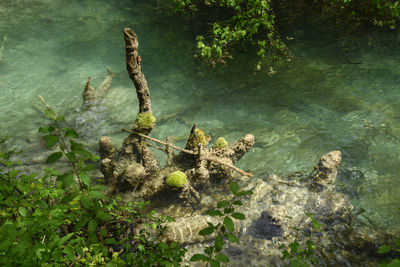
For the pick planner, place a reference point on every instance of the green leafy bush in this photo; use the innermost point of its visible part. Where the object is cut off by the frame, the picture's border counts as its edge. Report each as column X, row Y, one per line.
column 223, row 230
column 62, row 219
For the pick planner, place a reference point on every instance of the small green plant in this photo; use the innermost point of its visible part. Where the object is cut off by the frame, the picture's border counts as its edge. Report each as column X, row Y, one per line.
column 145, row 120
column 221, row 143
column 224, row 230
column 176, row 179
column 387, row 249
column 297, row 255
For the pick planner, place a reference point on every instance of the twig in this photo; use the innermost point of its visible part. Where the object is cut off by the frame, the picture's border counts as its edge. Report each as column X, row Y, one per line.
column 208, row 158
column 43, row 102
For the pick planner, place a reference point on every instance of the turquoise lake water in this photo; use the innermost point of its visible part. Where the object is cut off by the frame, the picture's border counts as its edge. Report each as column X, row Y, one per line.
column 338, row 93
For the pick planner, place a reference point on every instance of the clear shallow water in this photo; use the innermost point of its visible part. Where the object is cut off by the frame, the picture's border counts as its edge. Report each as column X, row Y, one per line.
column 336, row 94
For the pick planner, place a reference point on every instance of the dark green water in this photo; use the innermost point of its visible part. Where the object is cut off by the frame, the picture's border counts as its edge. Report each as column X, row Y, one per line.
column 337, row 93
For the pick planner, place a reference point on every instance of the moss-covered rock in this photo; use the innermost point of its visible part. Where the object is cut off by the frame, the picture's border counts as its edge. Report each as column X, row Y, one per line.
column 145, row 120
column 176, row 179
column 221, row 143
column 196, row 138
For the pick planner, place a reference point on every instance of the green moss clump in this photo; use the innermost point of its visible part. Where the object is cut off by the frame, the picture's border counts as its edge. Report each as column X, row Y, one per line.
column 176, row 179
column 196, row 138
column 145, row 120
column 221, row 142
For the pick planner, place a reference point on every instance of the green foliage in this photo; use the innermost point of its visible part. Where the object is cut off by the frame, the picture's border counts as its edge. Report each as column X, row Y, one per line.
column 249, row 21
column 145, row 120
column 257, row 22
column 62, row 219
column 221, row 143
column 388, row 249
column 223, row 230
column 301, row 255
column 176, row 179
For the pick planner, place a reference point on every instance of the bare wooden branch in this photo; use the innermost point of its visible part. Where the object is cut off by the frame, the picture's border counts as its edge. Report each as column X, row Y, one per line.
column 135, row 70
column 170, row 150
column 208, row 158
column 44, row 102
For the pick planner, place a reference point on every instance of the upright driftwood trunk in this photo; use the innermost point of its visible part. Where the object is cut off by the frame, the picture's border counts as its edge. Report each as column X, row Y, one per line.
column 134, row 169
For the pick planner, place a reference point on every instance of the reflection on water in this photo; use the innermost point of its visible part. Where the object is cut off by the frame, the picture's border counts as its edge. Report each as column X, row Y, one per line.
column 336, row 94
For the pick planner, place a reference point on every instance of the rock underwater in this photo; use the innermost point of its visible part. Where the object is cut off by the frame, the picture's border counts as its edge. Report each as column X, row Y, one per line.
column 276, row 207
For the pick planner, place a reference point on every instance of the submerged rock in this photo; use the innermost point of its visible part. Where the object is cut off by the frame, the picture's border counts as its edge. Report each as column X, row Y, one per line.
column 276, row 208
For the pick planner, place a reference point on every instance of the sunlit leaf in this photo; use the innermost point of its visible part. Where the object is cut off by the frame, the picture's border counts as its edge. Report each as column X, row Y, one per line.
column 84, row 178
column 22, row 211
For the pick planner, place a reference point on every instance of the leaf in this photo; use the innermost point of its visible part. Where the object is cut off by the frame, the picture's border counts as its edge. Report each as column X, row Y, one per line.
column 22, row 211
column 84, row 178
column 110, row 241
column 222, row 258
column 214, row 213
column 384, row 249
column 209, row 250
column 199, row 257
column 214, row 263
column 245, row 193
column 67, row 198
column 13, row 174
column 54, row 157
column 237, row 203
column 232, row 238
column 86, row 202
column 103, row 216
column 229, row 224
column 218, row 243
column 234, row 187
column 69, row 132
column 66, row 179
column 64, row 239
column 47, row 129
column 81, row 223
column 69, row 251
column 75, row 145
column 207, row 231
column 89, row 167
column 228, row 210
column 97, row 194
column 92, row 225
column 51, row 114
column 238, row 216
column 84, row 153
column 60, row 118
column 51, row 140
column 222, row 204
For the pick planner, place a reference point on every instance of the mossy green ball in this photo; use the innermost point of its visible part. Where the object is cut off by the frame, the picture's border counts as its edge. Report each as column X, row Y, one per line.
column 145, row 120
column 176, row 179
column 221, row 142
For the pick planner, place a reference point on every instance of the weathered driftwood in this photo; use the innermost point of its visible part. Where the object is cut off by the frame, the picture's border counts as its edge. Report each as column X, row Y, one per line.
column 199, row 154
column 134, row 168
column 91, row 96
